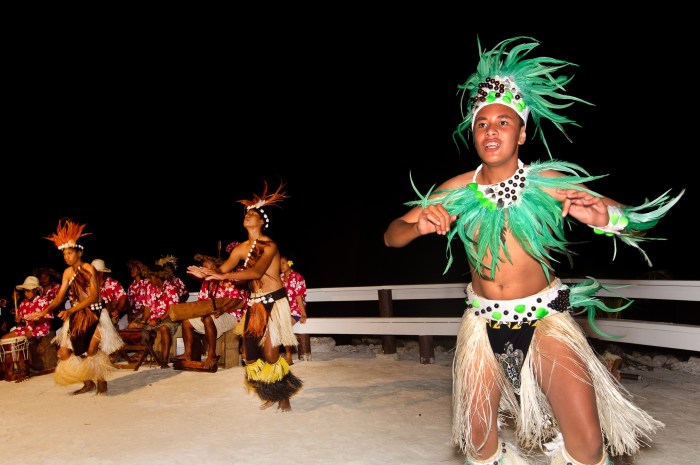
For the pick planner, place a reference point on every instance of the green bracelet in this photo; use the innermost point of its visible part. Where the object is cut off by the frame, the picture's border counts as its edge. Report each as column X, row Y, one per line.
column 616, row 224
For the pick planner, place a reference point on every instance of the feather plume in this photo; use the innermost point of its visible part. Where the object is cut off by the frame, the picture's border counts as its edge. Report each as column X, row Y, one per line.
column 535, row 220
column 543, row 93
column 67, row 234
column 265, row 199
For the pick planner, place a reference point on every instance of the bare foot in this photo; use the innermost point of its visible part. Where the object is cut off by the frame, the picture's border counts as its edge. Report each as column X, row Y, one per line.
column 101, row 388
column 266, row 405
column 87, row 387
column 285, row 406
column 210, row 362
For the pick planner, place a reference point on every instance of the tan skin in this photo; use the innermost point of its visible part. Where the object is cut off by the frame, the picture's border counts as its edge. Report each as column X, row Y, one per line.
column 264, row 275
column 285, row 269
column 209, row 331
column 498, row 133
column 73, row 258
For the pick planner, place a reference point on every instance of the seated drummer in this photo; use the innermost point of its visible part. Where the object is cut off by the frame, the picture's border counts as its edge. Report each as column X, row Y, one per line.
column 161, row 295
column 32, row 303
column 214, row 325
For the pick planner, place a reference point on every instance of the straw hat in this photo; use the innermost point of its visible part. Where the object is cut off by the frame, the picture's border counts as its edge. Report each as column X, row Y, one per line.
column 100, row 266
column 30, row 283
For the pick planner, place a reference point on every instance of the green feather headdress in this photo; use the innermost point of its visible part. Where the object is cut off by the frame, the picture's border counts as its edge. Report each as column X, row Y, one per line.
column 525, row 84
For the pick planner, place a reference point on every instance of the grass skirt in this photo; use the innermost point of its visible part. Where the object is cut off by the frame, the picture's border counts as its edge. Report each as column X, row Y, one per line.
column 279, row 325
column 272, row 381
column 77, row 368
column 625, row 427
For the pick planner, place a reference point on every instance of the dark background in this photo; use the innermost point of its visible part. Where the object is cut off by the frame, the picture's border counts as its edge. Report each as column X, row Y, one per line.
column 151, row 136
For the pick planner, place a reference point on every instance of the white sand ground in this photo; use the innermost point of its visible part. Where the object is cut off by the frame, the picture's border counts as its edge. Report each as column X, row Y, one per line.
column 357, row 407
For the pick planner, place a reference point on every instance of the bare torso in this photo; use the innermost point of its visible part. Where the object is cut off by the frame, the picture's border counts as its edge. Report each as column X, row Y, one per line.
column 523, row 277
column 519, row 277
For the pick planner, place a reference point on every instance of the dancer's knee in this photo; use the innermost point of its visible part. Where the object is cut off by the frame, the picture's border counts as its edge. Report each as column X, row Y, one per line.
column 63, row 353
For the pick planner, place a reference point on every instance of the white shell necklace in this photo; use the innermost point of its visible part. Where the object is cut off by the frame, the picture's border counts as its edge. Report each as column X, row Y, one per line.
column 250, row 252
column 505, row 193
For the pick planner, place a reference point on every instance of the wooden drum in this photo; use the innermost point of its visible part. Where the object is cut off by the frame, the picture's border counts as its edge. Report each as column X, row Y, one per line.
column 188, row 310
column 14, row 354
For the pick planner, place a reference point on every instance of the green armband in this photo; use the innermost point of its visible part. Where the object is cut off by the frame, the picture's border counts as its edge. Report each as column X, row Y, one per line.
column 617, row 223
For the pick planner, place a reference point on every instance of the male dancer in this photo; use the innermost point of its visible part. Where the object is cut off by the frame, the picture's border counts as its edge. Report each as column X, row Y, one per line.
column 88, row 335
column 518, row 345
column 268, row 318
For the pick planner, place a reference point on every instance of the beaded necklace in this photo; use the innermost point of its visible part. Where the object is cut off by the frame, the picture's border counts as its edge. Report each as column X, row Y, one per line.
column 250, row 253
column 505, row 193
column 72, row 278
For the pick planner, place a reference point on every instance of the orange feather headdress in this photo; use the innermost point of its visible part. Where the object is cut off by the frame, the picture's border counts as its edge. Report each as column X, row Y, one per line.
column 67, row 235
column 258, row 202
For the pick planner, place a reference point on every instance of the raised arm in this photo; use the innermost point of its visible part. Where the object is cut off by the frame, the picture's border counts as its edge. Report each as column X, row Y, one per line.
column 420, row 221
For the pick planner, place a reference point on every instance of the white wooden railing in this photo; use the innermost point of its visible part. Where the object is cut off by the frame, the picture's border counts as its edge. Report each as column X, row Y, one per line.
column 669, row 335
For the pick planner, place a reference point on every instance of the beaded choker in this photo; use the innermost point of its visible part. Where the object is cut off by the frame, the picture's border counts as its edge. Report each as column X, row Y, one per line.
column 505, row 193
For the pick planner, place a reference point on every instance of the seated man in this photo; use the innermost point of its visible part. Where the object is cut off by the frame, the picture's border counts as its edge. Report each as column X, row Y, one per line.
column 161, row 295
column 220, row 321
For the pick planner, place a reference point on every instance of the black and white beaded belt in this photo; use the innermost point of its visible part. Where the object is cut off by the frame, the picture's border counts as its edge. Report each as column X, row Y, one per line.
column 528, row 309
column 96, row 307
column 269, row 298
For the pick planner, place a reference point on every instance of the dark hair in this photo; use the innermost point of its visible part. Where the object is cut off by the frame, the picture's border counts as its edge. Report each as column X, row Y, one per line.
column 138, row 264
column 160, row 272
column 50, row 272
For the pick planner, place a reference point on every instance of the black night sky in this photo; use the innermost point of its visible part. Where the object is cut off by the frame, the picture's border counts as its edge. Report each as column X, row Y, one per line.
column 152, row 138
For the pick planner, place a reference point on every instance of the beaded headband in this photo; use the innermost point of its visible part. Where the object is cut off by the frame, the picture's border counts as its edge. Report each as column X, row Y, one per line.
column 501, row 90
column 526, row 85
column 67, row 235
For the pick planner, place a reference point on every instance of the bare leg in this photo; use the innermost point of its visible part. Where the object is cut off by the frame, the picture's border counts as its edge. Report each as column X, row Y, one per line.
column 187, row 338
column 88, row 386
column 284, row 405
column 567, row 385
column 266, row 405
column 272, row 355
column 101, row 387
column 484, row 419
column 288, row 355
column 63, row 353
column 165, row 341
column 210, row 336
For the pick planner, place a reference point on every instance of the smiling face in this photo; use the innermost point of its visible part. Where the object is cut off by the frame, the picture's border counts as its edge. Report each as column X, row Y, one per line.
column 498, row 133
